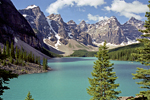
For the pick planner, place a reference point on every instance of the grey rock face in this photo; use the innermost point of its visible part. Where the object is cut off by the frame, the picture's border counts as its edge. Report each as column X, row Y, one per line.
column 69, row 30
column 113, row 32
column 13, row 24
column 109, row 30
column 37, row 20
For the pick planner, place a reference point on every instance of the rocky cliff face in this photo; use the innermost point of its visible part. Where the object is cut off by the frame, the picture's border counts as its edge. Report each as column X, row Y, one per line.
column 109, row 30
column 68, row 30
column 54, row 28
column 37, row 21
column 13, row 24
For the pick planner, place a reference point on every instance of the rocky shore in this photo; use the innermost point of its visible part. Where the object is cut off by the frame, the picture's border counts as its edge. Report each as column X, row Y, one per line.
column 29, row 68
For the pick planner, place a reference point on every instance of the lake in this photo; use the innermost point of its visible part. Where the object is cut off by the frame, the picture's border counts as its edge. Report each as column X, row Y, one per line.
column 69, row 80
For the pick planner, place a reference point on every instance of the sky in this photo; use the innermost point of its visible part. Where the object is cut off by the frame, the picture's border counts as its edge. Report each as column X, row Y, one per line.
column 91, row 11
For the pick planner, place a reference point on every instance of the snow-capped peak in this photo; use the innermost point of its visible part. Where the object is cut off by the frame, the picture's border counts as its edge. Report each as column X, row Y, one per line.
column 112, row 17
column 31, row 7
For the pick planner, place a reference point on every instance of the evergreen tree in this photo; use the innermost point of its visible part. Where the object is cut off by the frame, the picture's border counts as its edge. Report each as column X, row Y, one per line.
column 45, row 64
column 29, row 96
column 144, row 58
column 39, row 61
column 17, row 53
column 33, row 59
column 103, row 83
column 4, row 77
column 7, row 48
column 24, row 55
column 12, row 50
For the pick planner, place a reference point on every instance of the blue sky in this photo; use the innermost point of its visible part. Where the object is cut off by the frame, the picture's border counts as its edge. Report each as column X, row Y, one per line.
column 91, row 11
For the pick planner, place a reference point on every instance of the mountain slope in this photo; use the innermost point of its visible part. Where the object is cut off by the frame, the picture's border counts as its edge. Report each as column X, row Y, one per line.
column 15, row 28
column 12, row 24
column 37, row 21
column 56, row 33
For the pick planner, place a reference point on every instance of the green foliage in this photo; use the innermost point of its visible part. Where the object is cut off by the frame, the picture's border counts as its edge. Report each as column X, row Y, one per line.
column 11, row 60
column 12, row 53
column 29, row 96
column 103, row 83
column 5, row 76
column 143, row 56
column 124, row 53
column 4, row 63
column 39, row 61
column 17, row 53
column 82, row 53
column 120, row 53
column 45, row 64
column 7, row 48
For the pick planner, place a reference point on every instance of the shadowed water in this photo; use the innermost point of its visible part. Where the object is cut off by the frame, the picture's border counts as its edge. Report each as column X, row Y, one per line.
column 69, row 80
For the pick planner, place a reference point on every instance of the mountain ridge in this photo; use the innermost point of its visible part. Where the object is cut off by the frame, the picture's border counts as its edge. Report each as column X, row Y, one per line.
column 59, row 32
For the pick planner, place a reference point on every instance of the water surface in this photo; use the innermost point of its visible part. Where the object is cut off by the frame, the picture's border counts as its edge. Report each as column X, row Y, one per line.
column 69, row 80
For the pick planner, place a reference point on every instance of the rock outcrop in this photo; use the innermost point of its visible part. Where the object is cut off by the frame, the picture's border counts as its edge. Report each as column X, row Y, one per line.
column 13, row 24
column 37, row 21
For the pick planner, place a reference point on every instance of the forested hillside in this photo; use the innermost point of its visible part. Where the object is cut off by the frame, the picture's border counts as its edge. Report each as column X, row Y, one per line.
column 124, row 53
column 121, row 53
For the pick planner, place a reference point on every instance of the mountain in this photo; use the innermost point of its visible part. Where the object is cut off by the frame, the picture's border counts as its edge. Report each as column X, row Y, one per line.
column 15, row 28
column 37, row 21
column 12, row 25
column 115, row 33
column 109, row 30
column 57, row 34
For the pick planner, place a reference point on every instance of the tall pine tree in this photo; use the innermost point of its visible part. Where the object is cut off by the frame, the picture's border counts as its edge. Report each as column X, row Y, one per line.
column 45, row 64
column 12, row 53
column 144, row 58
column 17, row 53
column 103, row 83
column 7, row 48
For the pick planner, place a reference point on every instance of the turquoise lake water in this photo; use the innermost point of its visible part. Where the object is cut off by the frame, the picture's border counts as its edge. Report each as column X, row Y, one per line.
column 69, row 80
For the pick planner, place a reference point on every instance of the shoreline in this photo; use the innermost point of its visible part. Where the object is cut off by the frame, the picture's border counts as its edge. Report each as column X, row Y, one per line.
column 29, row 68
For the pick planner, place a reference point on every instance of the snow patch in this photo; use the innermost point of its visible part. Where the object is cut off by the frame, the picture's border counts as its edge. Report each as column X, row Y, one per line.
column 31, row 7
column 49, row 22
column 129, row 42
column 44, row 27
column 56, row 34
column 58, row 41
column 117, row 28
column 32, row 22
column 49, row 38
column 69, row 34
column 139, row 24
column 25, row 15
column 16, row 40
column 102, row 43
column 116, row 45
column 97, row 26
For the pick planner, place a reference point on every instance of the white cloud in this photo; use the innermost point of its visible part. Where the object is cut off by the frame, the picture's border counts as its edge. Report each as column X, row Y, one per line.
column 82, row 10
column 59, row 4
column 128, row 9
column 96, row 17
